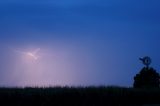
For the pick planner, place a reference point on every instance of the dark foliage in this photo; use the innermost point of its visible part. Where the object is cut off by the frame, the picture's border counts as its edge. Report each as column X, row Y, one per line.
column 69, row 96
column 147, row 78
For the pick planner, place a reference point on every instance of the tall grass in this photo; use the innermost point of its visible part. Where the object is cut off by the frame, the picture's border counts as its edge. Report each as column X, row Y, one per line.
column 78, row 96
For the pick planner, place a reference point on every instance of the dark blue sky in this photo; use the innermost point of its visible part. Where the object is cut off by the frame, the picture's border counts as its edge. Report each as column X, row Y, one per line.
column 79, row 42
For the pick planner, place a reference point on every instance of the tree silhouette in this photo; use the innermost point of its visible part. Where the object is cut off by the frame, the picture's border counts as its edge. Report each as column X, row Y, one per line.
column 147, row 78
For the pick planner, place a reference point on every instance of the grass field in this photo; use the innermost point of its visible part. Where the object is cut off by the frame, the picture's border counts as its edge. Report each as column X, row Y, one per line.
column 79, row 96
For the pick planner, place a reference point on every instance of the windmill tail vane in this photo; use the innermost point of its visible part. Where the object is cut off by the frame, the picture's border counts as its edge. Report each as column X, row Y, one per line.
column 146, row 61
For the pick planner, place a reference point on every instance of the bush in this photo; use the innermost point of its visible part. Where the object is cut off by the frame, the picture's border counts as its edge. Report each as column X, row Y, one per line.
column 147, row 78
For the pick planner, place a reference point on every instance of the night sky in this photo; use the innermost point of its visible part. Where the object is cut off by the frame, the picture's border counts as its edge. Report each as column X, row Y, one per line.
column 77, row 42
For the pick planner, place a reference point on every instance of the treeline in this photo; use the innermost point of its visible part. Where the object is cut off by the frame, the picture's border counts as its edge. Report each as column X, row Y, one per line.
column 78, row 96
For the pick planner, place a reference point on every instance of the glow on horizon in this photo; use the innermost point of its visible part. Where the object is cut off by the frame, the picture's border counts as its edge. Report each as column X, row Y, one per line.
column 41, row 67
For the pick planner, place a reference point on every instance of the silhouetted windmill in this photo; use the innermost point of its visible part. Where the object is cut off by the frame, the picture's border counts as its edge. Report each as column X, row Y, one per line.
column 146, row 61
column 147, row 77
